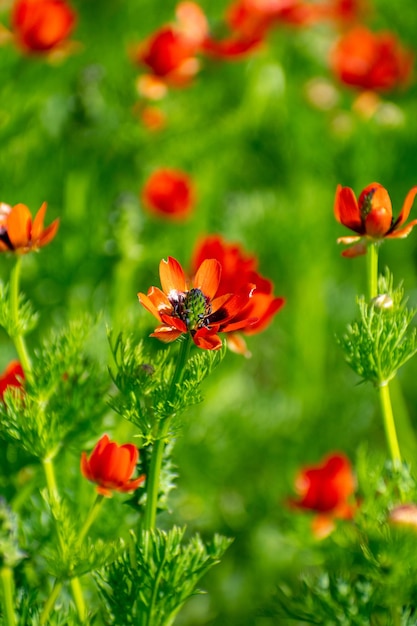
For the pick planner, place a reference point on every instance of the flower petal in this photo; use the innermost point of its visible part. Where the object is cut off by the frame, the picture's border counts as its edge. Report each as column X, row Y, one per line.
column 19, row 223
column 48, row 234
column 206, row 340
column 172, row 277
column 207, row 278
column 402, row 233
column 346, row 209
column 357, row 250
column 166, row 334
column 405, row 211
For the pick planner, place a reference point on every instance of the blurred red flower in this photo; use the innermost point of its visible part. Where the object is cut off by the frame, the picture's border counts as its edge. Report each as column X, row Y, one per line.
column 375, row 61
column 170, row 53
column 13, row 376
column 169, row 193
column 238, row 271
column 111, row 466
column 197, row 309
column 19, row 233
column 42, row 25
column 370, row 216
column 327, row 489
column 249, row 22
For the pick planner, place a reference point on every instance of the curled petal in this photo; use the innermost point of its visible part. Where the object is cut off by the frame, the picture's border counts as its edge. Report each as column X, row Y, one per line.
column 405, row 211
column 357, row 250
column 402, row 233
column 346, row 209
column 206, row 340
column 166, row 333
column 348, row 240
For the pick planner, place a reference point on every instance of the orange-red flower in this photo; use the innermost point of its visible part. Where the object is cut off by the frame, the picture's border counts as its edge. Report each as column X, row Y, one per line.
column 13, row 376
column 238, row 271
column 371, row 216
column 195, row 308
column 111, row 466
column 169, row 193
column 326, row 489
column 374, row 61
column 19, row 233
column 41, row 26
column 170, row 53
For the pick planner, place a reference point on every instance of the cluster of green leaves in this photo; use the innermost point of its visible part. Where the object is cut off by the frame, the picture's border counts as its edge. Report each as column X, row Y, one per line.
column 10, row 553
column 62, row 400
column 148, row 584
column 19, row 322
column 365, row 572
column 143, row 382
column 382, row 339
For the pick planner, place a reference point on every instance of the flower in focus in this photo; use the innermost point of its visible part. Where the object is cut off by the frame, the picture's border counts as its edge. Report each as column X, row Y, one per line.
column 111, row 466
column 170, row 53
column 169, row 193
column 326, row 489
column 238, row 271
column 19, row 233
column 375, row 61
column 197, row 309
column 42, row 25
column 370, row 216
column 13, row 376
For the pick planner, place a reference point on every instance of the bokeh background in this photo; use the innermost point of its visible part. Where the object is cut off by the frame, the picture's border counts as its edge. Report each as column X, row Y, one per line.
column 265, row 149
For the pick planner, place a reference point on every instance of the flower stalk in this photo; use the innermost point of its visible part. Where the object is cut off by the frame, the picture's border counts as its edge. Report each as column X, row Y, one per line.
column 153, row 479
column 18, row 338
column 7, row 587
column 383, row 387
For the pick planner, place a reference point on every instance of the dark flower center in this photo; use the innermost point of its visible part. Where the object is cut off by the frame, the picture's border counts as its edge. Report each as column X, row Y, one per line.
column 366, row 205
column 192, row 308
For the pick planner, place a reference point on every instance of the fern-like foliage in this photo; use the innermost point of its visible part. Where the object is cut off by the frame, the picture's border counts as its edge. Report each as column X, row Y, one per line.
column 382, row 339
column 151, row 581
column 144, row 394
column 20, row 324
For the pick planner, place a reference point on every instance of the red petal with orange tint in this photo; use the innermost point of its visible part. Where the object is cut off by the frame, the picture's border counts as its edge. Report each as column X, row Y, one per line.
column 405, row 211
column 19, row 224
column 172, row 276
column 207, row 278
column 346, row 209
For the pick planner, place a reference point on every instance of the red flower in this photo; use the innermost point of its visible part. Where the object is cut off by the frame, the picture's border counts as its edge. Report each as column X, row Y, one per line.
column 170, row 53
column 375, row 61
column 197, row 310
column 169, row 193
column 249, row 22
column 42, row 25
column 111, row 466
column 326, row 488
column 370, row 216
column 238, row 271
column 13, row 376
column 19, row 233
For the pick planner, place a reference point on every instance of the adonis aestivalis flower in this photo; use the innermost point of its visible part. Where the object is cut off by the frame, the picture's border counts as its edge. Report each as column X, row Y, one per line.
column 193, row 307
column 41, row 26
column 19, row 233
column 111, row 467
column 370, row 216
column 327, row 489
column 169, row 193
column 13, row 376
column 238, row 271
column 371, row 61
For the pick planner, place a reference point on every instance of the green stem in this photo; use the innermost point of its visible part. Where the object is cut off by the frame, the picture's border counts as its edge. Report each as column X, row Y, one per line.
column 91, row 517
column 75, row 584
column 6, row 576
column 18, row 339
column 153, row 478
column 389, row 424
column 50, row 603
column 372, row 259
